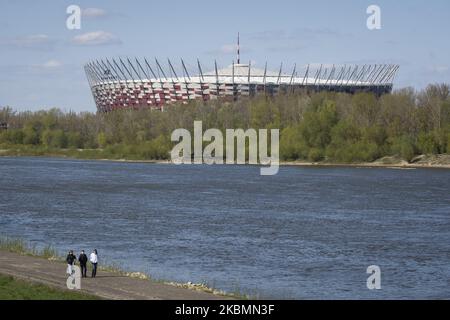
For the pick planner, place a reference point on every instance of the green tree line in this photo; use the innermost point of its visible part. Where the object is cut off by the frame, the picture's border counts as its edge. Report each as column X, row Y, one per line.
column 335, row 127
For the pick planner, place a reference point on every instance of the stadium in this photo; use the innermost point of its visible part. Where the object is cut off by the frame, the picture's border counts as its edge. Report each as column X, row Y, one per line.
column 123, row 83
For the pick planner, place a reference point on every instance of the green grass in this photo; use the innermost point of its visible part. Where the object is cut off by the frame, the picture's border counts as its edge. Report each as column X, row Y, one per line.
column 112, row 152
column 14, row 289
column 20, row 246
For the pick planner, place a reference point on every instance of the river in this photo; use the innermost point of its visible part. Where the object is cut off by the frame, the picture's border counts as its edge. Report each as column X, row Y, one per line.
column 308, row 232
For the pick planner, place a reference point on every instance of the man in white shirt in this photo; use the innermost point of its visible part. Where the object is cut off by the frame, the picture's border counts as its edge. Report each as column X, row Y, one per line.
column 93, row 258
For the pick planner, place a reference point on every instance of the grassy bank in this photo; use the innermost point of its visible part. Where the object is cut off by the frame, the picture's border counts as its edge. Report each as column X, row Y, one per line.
column 22, row 247
column 15, row 289
column 88, row 154
column 420, row 161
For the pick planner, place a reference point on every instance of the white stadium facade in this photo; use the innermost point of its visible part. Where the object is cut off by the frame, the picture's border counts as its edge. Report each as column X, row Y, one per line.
column 123, row 83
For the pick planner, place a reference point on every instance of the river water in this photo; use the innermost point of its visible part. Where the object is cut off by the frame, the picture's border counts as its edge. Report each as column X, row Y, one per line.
column 304, row 233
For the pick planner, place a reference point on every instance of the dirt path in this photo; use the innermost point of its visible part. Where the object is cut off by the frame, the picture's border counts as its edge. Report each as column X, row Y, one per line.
column 107, row 285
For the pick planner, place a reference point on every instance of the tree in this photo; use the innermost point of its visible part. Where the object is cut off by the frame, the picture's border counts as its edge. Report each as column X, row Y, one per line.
column 427, row 143
column 315, row 128
column 448, row 144
column 46, row 138
column 404, row 147
column 365, row 109
column 12, row 136
column 59, row 139
column 435, row 100
column 74, row 140
column 292, row 145
column 101, row 140
column 313, row 125
column 30, row 135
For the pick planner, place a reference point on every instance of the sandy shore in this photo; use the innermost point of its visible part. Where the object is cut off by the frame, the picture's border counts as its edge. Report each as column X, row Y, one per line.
column 367, row 165
column 441, row 161
column 435, row 161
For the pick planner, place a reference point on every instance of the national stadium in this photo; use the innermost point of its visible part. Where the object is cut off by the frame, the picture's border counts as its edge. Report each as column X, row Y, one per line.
column 121, row 83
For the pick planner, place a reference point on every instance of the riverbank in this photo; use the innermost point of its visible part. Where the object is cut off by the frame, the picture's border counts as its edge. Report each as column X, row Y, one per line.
column 15, row 289
column 441, row 161
column 44, row 266
column 107, row 285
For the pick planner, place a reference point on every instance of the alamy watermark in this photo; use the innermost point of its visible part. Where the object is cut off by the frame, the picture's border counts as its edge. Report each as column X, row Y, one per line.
column 236, row 150
column 73, row 21
column 374, row 280
column 74, row 279
column 374, row 20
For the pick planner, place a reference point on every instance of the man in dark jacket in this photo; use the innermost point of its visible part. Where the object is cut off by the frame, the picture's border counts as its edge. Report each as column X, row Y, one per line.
column 83, row 261
column 70, row 259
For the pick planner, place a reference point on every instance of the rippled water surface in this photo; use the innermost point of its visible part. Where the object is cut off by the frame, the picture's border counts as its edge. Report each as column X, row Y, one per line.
column 304, row 233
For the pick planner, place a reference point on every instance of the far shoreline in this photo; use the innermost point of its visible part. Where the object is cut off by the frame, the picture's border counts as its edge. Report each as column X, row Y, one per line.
column 305, row 164
column 422, row 161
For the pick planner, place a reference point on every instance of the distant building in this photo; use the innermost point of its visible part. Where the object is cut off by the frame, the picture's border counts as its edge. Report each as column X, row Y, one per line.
column 3, row 126
column 124, row 83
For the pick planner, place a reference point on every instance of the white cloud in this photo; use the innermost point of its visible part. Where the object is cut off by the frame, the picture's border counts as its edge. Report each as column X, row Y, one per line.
column 33, row 41
column 228, row 49
column 93, row 13
column 52, row 64
column 96, row 38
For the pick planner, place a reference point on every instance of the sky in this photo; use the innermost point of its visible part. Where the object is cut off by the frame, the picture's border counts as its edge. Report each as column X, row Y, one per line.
column 41, row 60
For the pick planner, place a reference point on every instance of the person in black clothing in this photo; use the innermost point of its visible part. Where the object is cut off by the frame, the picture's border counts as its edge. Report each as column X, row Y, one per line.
column 83, row 260
column 70, row 259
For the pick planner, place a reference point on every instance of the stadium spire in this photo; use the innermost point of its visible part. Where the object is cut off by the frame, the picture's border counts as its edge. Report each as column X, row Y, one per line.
column 238, row 53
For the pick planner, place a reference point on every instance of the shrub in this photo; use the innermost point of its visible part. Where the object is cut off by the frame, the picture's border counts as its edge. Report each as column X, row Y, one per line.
column 30, row 135
column 404, row 147
column 427, row 143
column 315, row 154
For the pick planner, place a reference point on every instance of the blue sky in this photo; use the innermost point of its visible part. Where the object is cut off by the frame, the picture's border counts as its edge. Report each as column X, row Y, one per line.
column 41, row 61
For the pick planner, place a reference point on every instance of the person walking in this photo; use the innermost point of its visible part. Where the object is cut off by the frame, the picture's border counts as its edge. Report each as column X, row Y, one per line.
column 94, row 260
column 83, row 261
column 70, row 259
